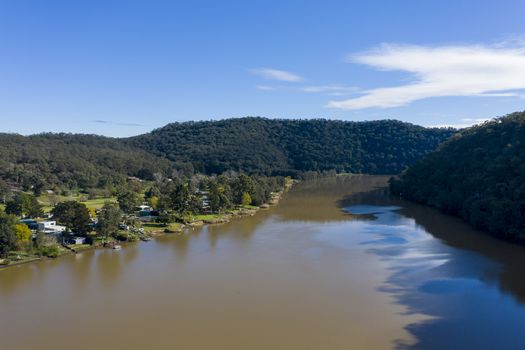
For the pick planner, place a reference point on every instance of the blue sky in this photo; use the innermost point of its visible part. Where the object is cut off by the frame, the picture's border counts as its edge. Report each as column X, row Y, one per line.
column 122, row 68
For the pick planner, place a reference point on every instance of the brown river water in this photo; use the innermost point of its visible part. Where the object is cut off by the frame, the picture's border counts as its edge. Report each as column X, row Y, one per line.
column 338, row 264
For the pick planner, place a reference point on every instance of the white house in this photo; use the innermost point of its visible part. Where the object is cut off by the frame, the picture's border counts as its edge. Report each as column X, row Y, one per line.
column 50, row 227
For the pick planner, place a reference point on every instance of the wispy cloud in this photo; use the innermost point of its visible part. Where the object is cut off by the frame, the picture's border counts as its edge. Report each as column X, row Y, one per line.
column 332, row 90
column 464, row 123
column 102, row 121
column 470, row 70
column 335, row 90
column 276, row 74
column 266, row 87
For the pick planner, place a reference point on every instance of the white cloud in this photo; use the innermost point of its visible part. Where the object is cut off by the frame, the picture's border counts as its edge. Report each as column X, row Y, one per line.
column 336, row 90
column 464, row 123
column 265, row 87
column 276, row 74
column 474, row 70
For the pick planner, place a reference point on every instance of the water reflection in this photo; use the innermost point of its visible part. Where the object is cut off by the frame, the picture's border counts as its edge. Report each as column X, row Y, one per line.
column 468, row 282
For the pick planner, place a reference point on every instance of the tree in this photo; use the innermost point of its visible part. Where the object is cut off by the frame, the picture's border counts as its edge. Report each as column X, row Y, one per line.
column 153, row 201
column 246, row 199
column 74, row 215
column 128, row 201
column 242, row 184
column 108, row 220
column 24, row 204
column 7, row 234
column 4, row 191
column 23, row 234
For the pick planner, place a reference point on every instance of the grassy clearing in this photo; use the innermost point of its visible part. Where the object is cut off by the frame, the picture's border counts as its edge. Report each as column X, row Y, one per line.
column 96, row 203
column 80, row 247
column 204, row 217
column 153, row 226
column 150, row 227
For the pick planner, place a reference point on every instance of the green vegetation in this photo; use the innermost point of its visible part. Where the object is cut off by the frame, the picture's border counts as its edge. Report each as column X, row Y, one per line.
column 291, row 147
column 64, row 162
column 478, row 175
column 108, row 220
column 23, row 204
column 73, row 215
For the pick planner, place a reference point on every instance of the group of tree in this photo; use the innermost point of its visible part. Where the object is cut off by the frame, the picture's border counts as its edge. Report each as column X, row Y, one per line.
column 63, row 162
column 292, row 147
column 202, row 194
column 15, row 235
column 177, row 199
column 90, row 163
column 479, row 175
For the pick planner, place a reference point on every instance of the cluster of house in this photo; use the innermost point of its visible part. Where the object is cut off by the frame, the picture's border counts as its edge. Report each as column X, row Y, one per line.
column 144, row 213
column 50, row 227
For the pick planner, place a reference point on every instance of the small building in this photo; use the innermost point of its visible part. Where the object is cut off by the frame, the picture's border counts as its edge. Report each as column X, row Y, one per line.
column 50, row 227
column 30, row 223
column 77, row 240
column 144, row 208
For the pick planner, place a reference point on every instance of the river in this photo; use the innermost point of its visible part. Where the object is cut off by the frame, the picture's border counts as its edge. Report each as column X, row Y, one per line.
column 338, row 264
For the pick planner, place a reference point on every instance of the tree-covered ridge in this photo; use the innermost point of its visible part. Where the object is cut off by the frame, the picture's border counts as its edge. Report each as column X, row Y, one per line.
column 251, row 145
column 71, row 161
column 281, row 146
column 479, row 174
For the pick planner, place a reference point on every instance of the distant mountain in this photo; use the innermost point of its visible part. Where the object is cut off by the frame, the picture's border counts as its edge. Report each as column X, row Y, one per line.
column 72, row 161
column 288, row 147
column 479, row 175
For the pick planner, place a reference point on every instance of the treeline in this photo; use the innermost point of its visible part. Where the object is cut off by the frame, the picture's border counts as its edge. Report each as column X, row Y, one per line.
column 479, row 175
column 292, row 147
column 66, row 161
column 297, row 148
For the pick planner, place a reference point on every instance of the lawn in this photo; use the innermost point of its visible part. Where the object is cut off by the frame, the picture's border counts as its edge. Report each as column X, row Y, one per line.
column 207, row 217
column 155, row 227
column 96, row 203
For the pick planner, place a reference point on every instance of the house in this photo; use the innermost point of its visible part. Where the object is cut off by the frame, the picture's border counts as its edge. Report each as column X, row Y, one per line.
column 30, row 223
column 77, row 240
column 144, row 208
column 50, row 227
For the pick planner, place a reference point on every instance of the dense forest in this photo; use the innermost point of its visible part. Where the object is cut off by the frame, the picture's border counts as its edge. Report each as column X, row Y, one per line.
column 289, row 147
column 59, row 161
column 479, row 175
column 62, row 162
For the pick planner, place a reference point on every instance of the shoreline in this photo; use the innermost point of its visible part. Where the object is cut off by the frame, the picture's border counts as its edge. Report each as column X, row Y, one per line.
column 238, row 213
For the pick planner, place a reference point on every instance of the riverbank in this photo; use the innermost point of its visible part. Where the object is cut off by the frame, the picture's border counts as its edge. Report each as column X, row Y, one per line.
column 151, row 230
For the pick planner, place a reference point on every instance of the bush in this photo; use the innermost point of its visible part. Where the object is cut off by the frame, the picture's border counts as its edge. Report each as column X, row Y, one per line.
column 50, row 251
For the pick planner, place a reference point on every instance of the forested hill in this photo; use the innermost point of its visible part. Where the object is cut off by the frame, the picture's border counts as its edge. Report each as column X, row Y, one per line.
column 276, row 146
column 479, row 174
column 53, row 161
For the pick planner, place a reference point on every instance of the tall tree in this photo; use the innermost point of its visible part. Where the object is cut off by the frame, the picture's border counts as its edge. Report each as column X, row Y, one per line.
column 108, row 220
column 74, row 215
column 7, row 234
column 128, row 201
column 24, row 204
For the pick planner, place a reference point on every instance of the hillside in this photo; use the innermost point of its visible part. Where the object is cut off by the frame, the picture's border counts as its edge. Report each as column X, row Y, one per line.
column 277, row 146
column 59, row 161
column 252, row 145
column 479, row 175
